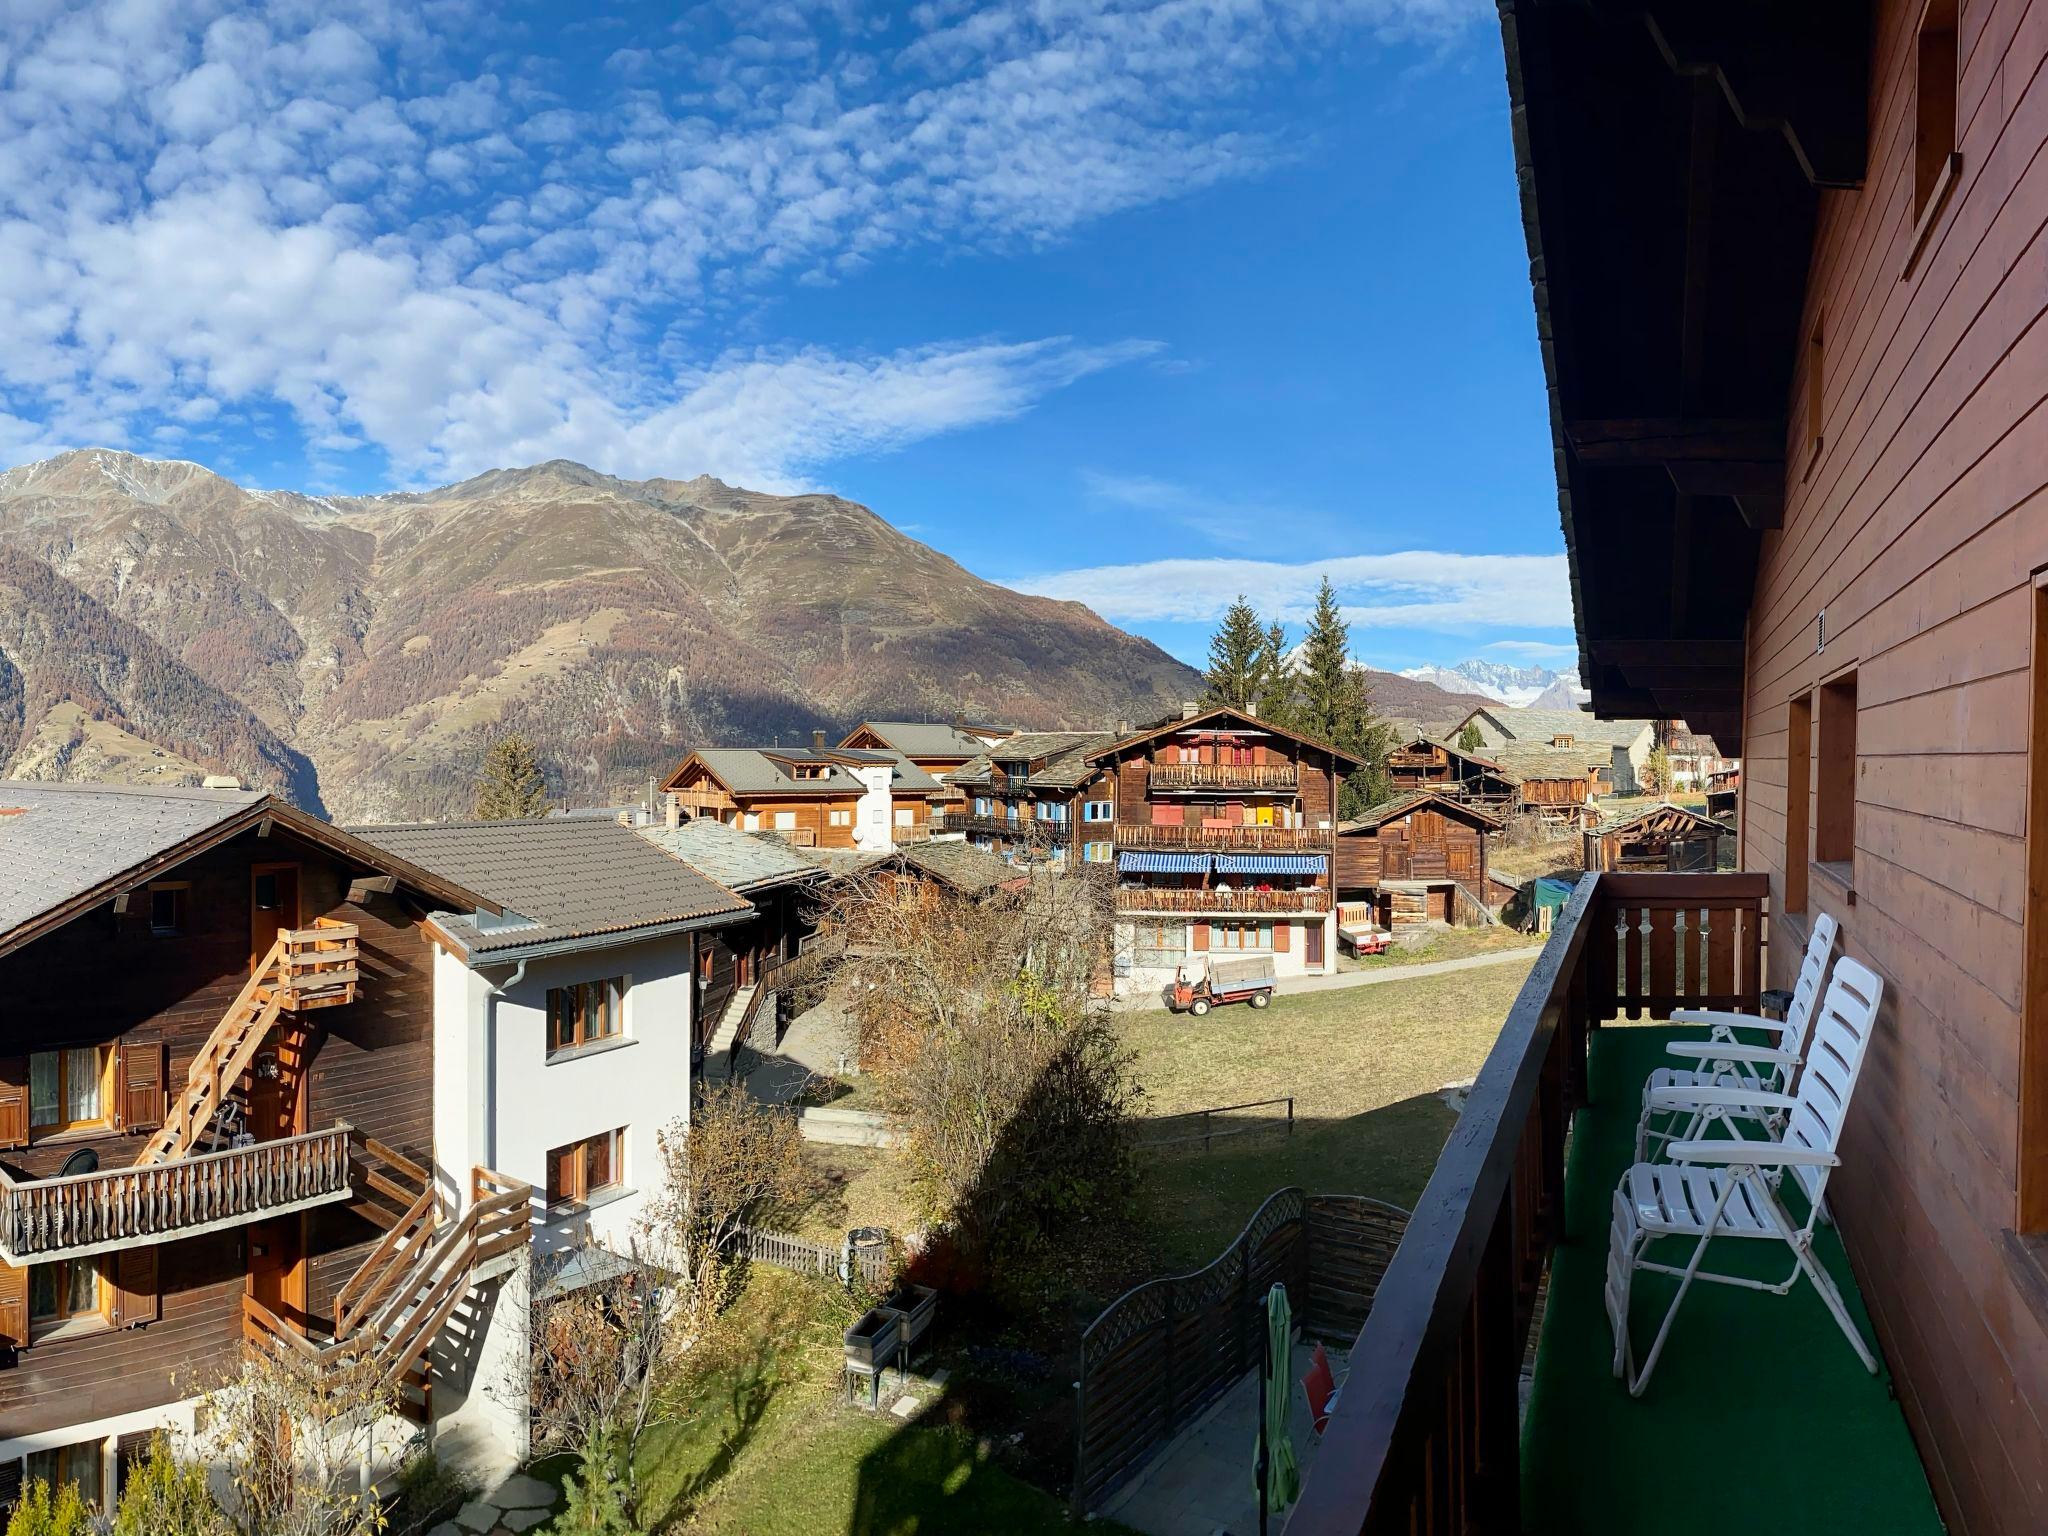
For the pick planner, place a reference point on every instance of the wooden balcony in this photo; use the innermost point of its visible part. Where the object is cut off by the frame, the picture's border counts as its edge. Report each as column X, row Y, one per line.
column 1428, row 1436
column 1023, row 829
column 1228, row 839
column 1252, row 778
column 87, row 1213
column 1310, row 899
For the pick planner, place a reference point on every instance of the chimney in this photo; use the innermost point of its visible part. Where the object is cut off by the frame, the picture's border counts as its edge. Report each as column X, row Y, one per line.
column 220, row 781
column 672, row 810
column 1189, row 709
column 817, row 741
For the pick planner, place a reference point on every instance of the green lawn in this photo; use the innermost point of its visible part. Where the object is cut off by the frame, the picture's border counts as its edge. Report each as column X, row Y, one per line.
column 1446, row 944
column 1366, row 1067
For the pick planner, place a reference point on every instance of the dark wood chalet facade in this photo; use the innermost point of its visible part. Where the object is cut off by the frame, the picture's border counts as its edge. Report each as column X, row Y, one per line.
column 1416, row 858
column 1224, row 838
column 1426, row 763
column 216, row 1073
column 1037, row 795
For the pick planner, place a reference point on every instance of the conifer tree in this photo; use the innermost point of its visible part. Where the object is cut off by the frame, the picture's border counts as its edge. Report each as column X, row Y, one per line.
column 1335, row 703
column 511, row 784
column 1236, row 653
column 1469, row 739
column 1274, row 698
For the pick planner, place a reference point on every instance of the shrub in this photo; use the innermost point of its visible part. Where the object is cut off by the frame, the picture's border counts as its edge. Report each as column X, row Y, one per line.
column 166, row 1497
column 44, row 1512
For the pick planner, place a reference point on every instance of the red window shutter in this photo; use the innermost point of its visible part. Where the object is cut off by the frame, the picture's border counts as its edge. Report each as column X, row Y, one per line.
column 13, row 1101
column 1281, row 941
column 133, row 1273
column 13, row 1306
column 1201, row 936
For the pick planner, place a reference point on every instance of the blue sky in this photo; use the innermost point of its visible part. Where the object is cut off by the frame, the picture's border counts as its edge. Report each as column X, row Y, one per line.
column 1137, row 303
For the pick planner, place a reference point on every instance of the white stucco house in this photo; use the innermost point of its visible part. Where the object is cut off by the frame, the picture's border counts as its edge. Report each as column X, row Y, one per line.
column 563, row 1028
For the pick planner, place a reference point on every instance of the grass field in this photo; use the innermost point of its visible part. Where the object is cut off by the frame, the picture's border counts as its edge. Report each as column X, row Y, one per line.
column 1366, row 1067
column 1445, row 944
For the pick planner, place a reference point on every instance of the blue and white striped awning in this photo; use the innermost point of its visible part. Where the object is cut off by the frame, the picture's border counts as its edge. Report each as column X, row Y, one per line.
column 1270, row 863
column 1164, row 863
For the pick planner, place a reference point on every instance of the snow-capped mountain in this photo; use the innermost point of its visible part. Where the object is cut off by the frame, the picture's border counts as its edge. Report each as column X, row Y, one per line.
column 1516, row 686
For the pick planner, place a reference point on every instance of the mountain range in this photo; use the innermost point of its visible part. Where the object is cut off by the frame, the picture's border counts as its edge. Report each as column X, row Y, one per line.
column 1522, row 687
column 158, row 621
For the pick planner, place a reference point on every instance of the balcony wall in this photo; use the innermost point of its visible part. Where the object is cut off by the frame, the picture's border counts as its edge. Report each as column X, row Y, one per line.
column 1181, row 835
column 1311, row 899
column 1251, row 778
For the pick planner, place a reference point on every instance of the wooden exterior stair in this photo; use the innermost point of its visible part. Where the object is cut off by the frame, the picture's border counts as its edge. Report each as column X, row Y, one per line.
column 306, row 968
column 389, row 1312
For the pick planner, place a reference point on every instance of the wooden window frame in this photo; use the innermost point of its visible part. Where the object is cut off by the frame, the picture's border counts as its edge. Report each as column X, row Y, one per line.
column 570, row 1012
column 90, row 1318
column 1798, row 798
column 1835, row 776
column 106, row 1057
column 179, row 892
column 1937, row 160
column 64, row 1460
column 568, row 1169
column 2031, row 1193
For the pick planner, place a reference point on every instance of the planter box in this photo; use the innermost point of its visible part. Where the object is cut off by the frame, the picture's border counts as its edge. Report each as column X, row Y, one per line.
column 872, row 1342
column 912, row 1306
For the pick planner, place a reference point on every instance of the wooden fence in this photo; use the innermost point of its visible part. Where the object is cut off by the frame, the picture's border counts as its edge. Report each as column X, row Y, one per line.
column 1162, row 1352
column 833, row 1261
column 1427, row 1439
column 1202, row 1125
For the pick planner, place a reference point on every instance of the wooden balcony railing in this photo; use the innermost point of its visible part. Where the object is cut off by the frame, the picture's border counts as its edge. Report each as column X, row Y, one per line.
column 1426, row 1436
column 1024, row 827
column 87, row 1213
column 1271, row 777
column 1190, row 836
column 1310, row 899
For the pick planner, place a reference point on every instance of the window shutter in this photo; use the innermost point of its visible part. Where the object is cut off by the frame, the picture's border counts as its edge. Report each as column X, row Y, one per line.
column 1201, row 937
column 13, row 1306
column 139, row 1077
column 133, row 1275
column 13, row 1101
column 1281, row 940
column 10, row 1483
column 130, row 1451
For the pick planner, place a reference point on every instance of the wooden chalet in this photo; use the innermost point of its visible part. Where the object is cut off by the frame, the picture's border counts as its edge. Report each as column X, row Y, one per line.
column 1664, row 836
column 1418, row 857
column 1035, row 795
column 1425, row 762
column 816, row 797
column 938, row 747
column 1224, row 834
column 216, row 1103
column 1787, row 271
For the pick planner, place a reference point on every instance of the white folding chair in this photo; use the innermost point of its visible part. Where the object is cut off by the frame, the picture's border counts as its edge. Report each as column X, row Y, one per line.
column 1723, row 1060
column 1713, row 1189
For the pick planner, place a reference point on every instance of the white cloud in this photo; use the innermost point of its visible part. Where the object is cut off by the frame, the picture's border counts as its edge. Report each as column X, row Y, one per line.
column 1541, row 651
column 1413, row 589
column 318, row 207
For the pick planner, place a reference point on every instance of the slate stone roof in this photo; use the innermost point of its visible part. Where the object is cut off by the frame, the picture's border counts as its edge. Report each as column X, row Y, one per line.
column 559, row 878
column 970, row 870
column 1536, row 726
column 743, row 861
column 1521, row 760
column 1401, row 803
column 1662, row 808
column 1066, row 757
column 750, row 771
column 58, row 841
column 929, row 738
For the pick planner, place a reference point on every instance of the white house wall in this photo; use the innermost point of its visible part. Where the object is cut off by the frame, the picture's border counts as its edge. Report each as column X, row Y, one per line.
column 504, row 1104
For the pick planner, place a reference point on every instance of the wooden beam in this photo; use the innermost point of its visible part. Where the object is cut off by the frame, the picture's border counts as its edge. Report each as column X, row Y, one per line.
column 1664, row 439
column 1668, row 652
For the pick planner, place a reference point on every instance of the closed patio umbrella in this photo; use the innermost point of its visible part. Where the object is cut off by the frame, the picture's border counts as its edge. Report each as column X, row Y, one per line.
column 1278, row 1473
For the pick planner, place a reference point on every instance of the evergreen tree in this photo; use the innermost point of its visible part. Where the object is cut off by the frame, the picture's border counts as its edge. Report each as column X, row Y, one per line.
column 1274, row 698
column 1236, row 653
column 1335, row 703
column 511, row 784
column 1469, row 739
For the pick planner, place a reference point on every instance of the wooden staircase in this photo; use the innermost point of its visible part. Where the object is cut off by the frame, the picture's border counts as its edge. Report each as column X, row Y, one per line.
column 306, row 968
column 389, row 1312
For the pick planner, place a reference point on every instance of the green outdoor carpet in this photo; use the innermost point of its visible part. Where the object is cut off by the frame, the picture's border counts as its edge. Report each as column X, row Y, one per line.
column 1759, row 1415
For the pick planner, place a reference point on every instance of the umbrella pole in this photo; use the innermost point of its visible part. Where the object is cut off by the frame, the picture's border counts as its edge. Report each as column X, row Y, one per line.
column 1265, row 1370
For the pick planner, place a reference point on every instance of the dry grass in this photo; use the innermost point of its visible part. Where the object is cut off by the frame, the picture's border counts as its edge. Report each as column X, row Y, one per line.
column 1366, row 1068
column 1444, row 944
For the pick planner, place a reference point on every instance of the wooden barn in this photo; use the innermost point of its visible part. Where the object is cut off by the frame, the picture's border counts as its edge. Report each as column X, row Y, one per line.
column 1419, row 857
column 1424, row 762
column 1662, row 836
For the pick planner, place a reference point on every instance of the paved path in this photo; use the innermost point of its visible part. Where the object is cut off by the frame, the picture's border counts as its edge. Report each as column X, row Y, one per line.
column 1139, row 1001
column 1200, row 1483
column 512, row 1508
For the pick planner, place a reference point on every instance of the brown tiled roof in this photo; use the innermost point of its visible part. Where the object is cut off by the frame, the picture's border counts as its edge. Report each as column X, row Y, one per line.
column 559, row 878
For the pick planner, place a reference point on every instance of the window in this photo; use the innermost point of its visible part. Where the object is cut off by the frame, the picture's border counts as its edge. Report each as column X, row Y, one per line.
column 1561, row 741
column 81, row 1464
column 587, row 1168
column 981, row 805
column 65, row 1088
column 905, row 816
column 1934, row 112
column 1099, row 810
column 785, row 821
column 1095, row 853
column 750, row 822
column 1834, row 779
column 63, row 1295
column 1155, row 944
column 1798, row 798
column 263, row 890
column 167, row 909
column 585, row 1013
column 1052, row 810
column 837, row 819
column 1240, row 935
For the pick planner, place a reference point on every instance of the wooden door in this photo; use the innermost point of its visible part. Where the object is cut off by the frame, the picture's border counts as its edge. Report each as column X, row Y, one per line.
column 1393, row 854
column 1312, row 943
column 273, row 906
column 277, row 1266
